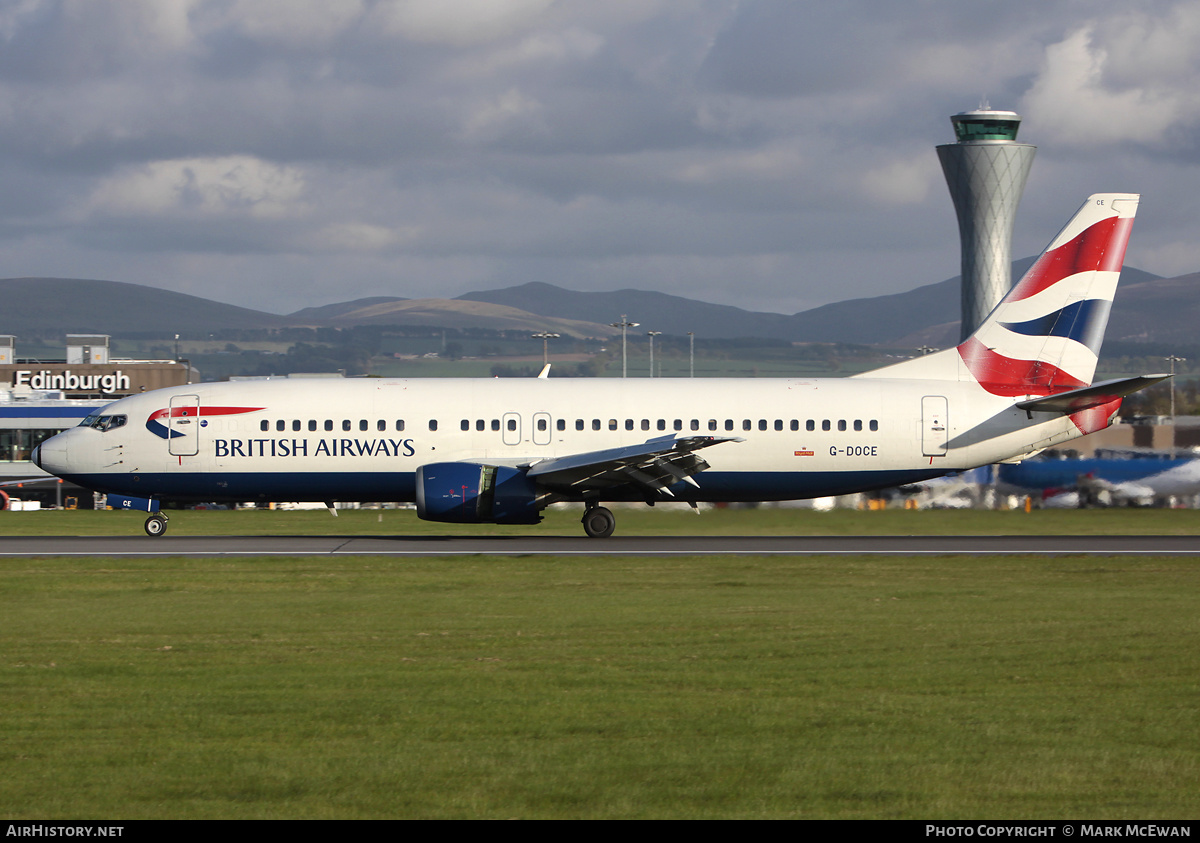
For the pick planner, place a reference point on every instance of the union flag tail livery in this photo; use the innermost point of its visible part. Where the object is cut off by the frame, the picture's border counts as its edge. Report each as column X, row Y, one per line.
column 1044, row 337
column 501, row 450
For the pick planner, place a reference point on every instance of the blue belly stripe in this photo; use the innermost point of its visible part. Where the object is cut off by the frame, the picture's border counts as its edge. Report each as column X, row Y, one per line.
column 734, row 486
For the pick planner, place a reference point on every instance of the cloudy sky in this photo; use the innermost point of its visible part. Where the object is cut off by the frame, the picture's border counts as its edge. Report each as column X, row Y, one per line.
column 772, row 154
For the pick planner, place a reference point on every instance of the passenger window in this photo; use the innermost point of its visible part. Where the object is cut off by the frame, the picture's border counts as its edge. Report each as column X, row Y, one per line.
column 712, row 424
column 381, row 425
column 399, row 424
column 825, row 425
column 433, row 424
column 541, row 424
column 464, row 424
column 645, row 424
column 561, row 424
column 629, row 424
column 779, row 424
column 729, row 424
column 858, row 424
column 661, row 424
column 747, row 424
column 810, row 425
column 762, row 424
column 295, row 424
column 512, row 424
column 329, row 424
column 874, row 425
column 495, row 424
column 595, row 424
column 480, row 424
column 362, row 424
column 678, row 424
column 841, row 424
column 795, row 424
column 264, row 425
column 345, row 424
column 579, row 424
column 312, row 424
column 695, row 424
column 280, row 425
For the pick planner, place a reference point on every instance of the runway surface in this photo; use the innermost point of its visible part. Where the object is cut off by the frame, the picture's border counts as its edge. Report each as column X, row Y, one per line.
column 141, row 545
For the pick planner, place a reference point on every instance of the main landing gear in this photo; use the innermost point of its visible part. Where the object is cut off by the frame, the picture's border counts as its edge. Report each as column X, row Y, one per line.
column 598, row 522
column 156, row 525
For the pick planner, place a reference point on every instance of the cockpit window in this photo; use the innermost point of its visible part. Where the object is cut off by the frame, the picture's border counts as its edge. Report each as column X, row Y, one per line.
column 104, row 422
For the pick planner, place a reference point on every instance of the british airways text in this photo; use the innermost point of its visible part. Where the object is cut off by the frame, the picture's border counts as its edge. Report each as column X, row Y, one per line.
column 322, row 448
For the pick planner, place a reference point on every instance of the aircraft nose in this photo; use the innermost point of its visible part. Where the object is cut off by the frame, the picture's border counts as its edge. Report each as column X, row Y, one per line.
column 51, row 455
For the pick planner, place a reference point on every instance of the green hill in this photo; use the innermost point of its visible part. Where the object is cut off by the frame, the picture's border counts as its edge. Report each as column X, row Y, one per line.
column 72, row 305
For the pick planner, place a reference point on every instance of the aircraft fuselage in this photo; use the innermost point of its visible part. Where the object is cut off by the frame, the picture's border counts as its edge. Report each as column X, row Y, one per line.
column 363, row 439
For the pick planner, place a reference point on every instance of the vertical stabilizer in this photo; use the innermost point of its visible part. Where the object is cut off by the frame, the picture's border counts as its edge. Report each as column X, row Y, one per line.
column 1044, row 336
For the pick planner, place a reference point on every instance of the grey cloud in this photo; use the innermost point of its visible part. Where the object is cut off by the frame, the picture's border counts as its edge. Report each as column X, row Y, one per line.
column 772, row 153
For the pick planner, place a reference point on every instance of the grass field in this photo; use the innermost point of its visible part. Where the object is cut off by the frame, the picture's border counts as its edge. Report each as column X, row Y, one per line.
column 945, row 687
column 631, row 521
column 478, row 686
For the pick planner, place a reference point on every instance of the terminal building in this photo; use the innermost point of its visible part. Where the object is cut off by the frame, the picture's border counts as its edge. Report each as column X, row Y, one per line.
column 39, row 398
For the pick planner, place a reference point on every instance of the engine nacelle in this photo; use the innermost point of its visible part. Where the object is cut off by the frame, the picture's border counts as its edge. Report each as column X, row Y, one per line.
column 471, row 493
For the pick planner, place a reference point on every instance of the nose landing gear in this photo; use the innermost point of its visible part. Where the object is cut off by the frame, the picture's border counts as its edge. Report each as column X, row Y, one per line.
column 156, row 525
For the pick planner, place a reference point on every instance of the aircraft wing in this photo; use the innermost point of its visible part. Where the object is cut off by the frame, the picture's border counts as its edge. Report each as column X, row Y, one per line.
column 1123, row 490
column 1134, row 491
column 651, row 466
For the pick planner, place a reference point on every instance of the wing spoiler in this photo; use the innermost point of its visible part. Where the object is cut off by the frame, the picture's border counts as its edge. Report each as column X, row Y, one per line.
column 651, row 466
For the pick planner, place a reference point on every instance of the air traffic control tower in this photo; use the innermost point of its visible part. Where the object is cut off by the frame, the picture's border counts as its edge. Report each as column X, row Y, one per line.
column 986, row 172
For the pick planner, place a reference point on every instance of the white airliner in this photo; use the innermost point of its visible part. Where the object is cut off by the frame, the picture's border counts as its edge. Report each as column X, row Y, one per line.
column 1113, row 476
column 499, row 451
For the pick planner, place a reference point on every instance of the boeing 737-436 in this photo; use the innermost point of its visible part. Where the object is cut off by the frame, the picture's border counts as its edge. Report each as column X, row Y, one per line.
column 500, row 451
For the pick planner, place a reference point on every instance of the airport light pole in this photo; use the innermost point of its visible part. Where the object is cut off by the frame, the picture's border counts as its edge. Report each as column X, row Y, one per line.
column 652, row 335
column 186, row 363
column 624, row 325
column 545, row 337
column 1173, row 359
column 691, row 354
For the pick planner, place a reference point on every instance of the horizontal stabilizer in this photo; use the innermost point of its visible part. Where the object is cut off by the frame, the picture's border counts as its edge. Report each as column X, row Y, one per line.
column 1090, row 396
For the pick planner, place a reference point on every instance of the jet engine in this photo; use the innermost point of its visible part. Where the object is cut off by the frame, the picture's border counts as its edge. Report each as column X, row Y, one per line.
column 472, row 493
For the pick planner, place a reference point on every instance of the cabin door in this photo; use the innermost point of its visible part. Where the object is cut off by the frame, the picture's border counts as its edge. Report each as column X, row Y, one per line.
column 510, row 427
column 541, row 429
column 183, row 425
column 935, row 425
